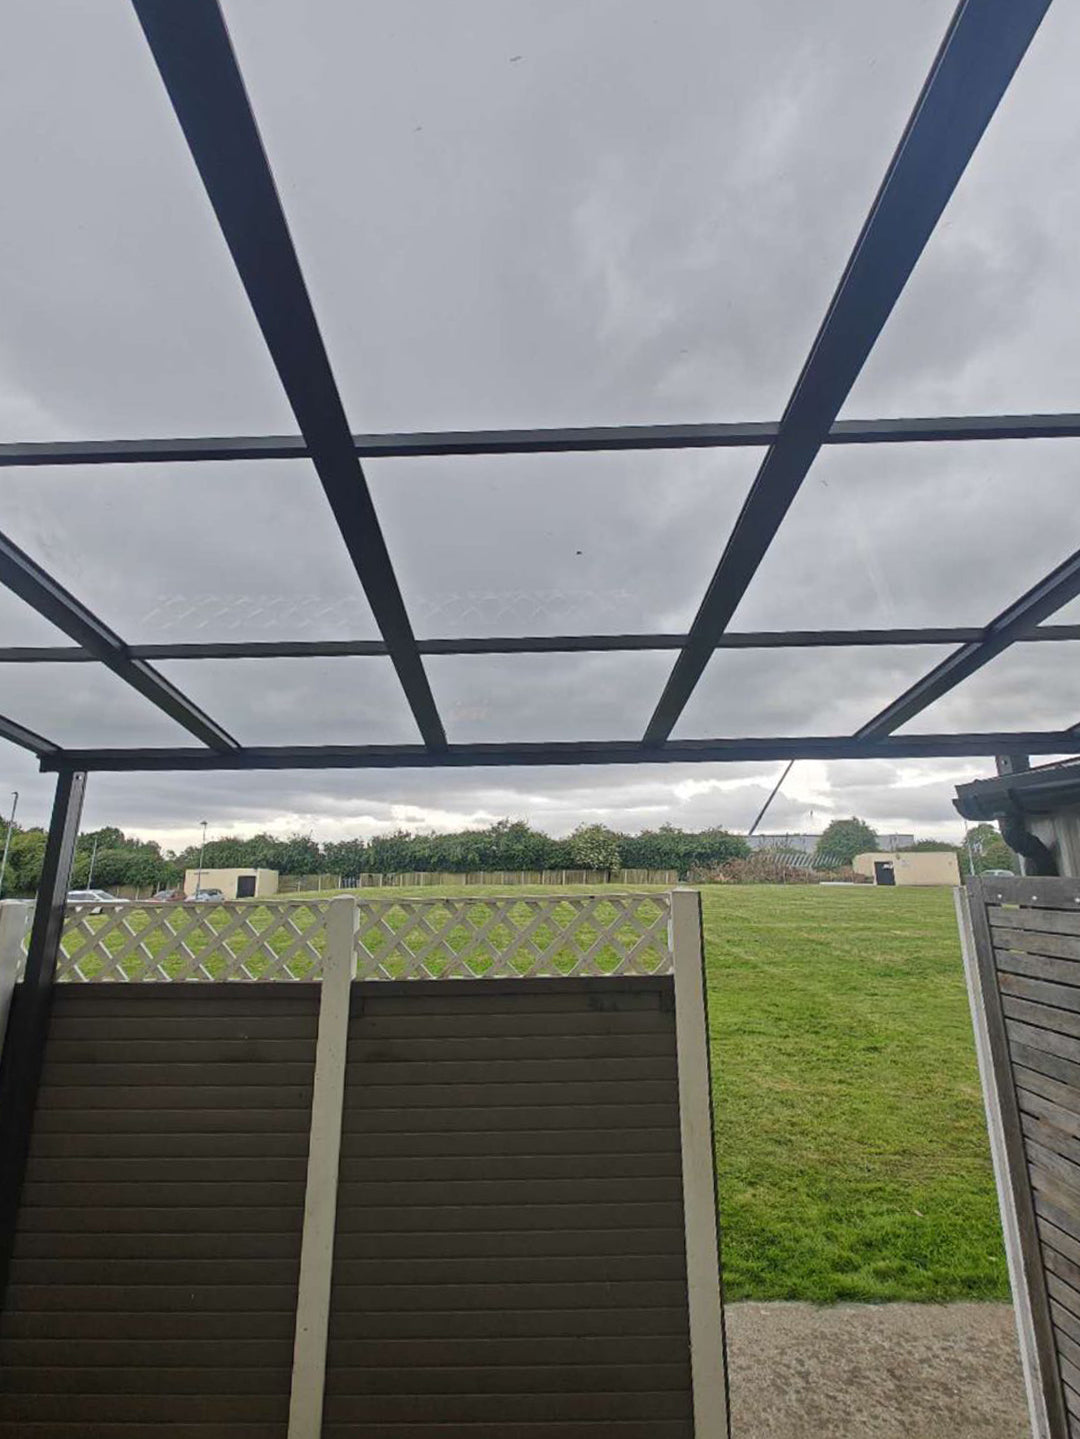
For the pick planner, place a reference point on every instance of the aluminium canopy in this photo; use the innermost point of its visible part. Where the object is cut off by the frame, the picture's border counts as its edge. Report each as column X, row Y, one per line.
column 696, row 686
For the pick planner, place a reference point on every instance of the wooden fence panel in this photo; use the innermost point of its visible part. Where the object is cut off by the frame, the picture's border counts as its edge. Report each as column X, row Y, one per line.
column 1022, row 955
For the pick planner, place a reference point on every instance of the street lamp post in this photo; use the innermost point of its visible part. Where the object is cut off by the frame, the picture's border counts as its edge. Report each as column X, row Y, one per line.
column 202, row 855
column 93, row 861
column 7, row 837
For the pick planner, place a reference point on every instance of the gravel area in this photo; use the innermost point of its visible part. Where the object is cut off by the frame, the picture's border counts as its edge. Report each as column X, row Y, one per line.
column 860, row 1371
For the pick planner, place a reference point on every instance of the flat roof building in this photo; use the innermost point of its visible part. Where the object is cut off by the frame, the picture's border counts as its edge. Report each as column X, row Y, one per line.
column 233, row 883
column 912, row 867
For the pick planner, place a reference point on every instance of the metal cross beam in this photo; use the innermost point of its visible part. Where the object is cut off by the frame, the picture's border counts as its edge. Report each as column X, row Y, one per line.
column 581, row 439
column 533, row 644
column 42, row 593
column 194, row 55
column 595, row 752
column 984, row 44
column 1057, row 589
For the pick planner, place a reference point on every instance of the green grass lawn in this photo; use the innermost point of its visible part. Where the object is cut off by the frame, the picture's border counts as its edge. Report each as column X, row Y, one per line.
column 851, row 1142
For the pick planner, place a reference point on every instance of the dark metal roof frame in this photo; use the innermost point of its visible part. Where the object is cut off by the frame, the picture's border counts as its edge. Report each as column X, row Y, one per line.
column 535, row 644
column 30, row 582
column 591, row 752
column 194, row 55
column 948, row 429
column 984, row 44
column 1046, row 598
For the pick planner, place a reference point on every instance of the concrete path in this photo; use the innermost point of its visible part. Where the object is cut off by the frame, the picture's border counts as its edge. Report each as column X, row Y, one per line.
column 860, row 1371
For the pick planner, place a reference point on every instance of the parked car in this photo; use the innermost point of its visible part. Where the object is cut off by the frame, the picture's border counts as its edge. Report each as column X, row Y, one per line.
column 996, row 874
column 168, row 895
column 208, row 896
column 95, row 897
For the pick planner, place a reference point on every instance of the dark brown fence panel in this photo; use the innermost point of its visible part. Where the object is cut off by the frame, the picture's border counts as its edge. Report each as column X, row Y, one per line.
column 510, row 1252
column 1026, row 934
column 155, row 1267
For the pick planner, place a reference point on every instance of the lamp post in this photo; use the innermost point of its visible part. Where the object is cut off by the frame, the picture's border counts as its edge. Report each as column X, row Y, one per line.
column 93, row 861
column 7, row 837
column 202, row 855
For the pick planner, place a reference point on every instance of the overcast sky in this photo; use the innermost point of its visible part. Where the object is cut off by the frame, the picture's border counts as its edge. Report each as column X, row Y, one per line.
column 509, row 213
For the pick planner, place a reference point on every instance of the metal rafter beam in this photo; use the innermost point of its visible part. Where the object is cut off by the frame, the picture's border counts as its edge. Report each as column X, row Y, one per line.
column 1048, row 596
column 18, row 734
column 532, row 644
column 23, row 1054
column 985, row 42
column 194, row 55
column 596, row 752
column 41, row 592
column 587, row 439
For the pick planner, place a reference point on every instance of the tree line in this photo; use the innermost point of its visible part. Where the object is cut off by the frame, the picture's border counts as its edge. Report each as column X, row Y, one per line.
column 120, row 859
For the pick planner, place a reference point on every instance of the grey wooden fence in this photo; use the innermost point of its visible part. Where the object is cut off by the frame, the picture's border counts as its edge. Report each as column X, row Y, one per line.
column 1022, row 957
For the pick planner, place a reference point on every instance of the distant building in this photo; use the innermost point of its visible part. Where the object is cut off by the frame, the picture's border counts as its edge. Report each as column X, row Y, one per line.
column 919, row 867
column 233, row 883
column 807, row 843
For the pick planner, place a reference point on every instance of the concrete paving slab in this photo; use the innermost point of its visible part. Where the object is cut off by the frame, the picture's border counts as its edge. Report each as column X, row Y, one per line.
column 861, row 1371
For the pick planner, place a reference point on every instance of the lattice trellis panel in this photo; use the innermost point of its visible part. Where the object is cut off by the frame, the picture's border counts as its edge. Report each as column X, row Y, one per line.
column 513, row 937
column 244, row 940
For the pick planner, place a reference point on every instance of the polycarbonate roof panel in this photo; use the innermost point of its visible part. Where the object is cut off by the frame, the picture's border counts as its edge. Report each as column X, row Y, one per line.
column 985, row 324
column 20, row 625
column 828, row 691
column 122, row 312
column 299, row 701
column 490, row 698
column 558, row 544
column 912, row 535
column 1027, row 687
column 83, row 706
column 246, row 550
column 511, row 213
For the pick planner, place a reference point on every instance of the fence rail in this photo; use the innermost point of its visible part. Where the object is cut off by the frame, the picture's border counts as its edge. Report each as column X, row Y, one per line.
column 418, row 879
column 389, row 938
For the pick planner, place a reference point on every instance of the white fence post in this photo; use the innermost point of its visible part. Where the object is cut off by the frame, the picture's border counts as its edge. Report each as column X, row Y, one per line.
column 707, row 1358
column 324, row 1152
column 15, row 917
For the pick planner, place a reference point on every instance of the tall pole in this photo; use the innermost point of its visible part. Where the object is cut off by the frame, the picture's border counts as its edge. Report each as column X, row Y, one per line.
column 93, row 858
column 768, row 802
column 970, row 849
column 7, row 837
column 202, row 856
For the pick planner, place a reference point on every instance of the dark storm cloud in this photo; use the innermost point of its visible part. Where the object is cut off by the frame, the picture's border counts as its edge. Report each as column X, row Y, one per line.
column 642, row 219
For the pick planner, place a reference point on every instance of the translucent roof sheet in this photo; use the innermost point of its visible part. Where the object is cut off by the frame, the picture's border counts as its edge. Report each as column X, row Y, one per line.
column 122, row 315
column 981, row 326
column 559, row 544
column 1029, row 686
column 512, row 213
column 241, row 551
column 800, row 692
column 488, row 698
column 299, row 701
column 934, row 534
column 84, row 705
column 667, row 239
